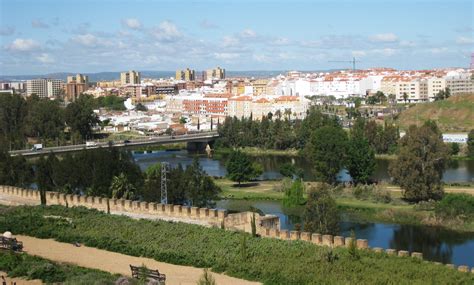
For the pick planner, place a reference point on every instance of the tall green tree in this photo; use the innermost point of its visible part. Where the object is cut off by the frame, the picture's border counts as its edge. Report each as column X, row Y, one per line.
column 14, row 170
column 45, row 119
column 321, row 214
column 294, row 194
column 121, row 188
column 13, row 112
column 44, row 173
column 421, row 161
column 360, row 159
column 80, row 116
column 240, row 168
column 327, row 151
column 202, row 191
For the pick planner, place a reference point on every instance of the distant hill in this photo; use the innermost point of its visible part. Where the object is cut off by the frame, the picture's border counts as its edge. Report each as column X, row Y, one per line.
column 456, row 114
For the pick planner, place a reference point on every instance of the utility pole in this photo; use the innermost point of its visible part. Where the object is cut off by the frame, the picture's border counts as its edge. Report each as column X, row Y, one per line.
column 164, row 188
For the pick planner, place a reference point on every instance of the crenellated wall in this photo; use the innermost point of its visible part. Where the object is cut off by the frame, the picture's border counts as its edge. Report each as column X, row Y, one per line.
column 267, row 226
column 210, row 217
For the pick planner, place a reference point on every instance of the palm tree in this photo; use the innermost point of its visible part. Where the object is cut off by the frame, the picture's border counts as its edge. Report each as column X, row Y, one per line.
column 405, row 97
column 121, row 188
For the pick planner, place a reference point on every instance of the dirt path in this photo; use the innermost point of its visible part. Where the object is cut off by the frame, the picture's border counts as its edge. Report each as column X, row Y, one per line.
column 19, row 281
column 115, row 262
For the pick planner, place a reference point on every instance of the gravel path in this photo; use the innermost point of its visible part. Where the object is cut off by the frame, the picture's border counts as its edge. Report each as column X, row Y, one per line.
column 115, row 262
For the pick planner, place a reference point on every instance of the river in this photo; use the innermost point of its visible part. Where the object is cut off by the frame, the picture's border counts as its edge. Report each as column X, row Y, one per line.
column 457, row 171
column 436, row 244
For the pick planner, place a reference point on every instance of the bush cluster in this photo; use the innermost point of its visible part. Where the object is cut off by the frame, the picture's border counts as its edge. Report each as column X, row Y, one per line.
column 459, row 206
column 266, row 260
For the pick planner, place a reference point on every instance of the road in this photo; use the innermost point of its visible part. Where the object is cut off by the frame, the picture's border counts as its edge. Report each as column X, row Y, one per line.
column 199, row 137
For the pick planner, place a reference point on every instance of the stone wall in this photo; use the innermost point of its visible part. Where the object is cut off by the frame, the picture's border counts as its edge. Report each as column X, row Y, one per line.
column 267, row 226
column 209, row 217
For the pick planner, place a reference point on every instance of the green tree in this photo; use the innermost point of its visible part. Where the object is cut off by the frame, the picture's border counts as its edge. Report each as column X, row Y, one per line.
column 470, row 144
column 420, row 163
column 321, row 214
column 13, row 113
column 287, row 170
column 80, row 116
column 14, row 170
column 121, row 188
column 201, row 189
column 360, row 160
column 45, row 175
column 141, row 107
column 240, row 168
column 45, row 119
column 294, row 194
column 327, row 150
column 454, row 148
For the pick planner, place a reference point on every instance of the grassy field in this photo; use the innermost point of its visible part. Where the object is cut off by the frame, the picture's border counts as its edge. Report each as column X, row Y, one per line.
column 237, row 254
column 456, row 114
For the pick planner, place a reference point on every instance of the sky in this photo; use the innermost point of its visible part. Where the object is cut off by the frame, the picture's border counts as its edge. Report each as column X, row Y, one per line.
column 47, row 36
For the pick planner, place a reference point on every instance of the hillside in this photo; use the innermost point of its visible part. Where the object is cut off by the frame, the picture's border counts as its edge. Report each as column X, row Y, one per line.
column 456, row 114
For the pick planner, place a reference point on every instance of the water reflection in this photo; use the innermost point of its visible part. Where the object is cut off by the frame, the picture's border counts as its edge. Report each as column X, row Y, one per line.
column 435, row 243
column 457, row 171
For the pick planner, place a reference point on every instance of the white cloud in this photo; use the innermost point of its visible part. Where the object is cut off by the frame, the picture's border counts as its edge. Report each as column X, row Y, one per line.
column 39, row 24
column 407, row 44
column 260, row 58
column 23, row 45
column 281, row 41
column 465, row 40
column 45, row 58
column 230, row 41
column 384, row 38
column 132, row 23
column 248, row 33
column 226, row 55
column 166, row 31
column 438, row 50
column 89, row 40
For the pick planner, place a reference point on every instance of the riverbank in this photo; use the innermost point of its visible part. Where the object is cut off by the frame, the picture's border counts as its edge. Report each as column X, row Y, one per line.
column 255, row 151
column 266, row 260
column 396, row 211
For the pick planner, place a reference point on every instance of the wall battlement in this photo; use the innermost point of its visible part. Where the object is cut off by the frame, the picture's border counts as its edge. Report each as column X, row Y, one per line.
column 267, row 226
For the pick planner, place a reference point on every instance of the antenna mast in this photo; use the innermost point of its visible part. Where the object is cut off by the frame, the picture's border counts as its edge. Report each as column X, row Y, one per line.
column 164, row 189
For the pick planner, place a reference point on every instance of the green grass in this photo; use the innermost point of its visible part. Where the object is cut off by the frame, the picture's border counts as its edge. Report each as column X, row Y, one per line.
column 262, row 259
column 32, row 267
column 456, row 114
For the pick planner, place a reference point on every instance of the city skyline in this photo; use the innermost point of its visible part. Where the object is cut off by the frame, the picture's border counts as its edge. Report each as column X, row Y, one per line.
column 52, row 36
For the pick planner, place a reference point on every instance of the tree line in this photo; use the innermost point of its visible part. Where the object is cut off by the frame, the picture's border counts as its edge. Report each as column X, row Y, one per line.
column 108, row 172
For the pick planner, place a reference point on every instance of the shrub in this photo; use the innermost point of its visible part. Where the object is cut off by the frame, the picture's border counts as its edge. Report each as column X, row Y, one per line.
column 455, row 206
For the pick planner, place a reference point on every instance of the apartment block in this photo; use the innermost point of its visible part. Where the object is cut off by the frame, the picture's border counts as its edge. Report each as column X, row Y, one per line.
column 214, row 74
column 44, row 88
column 130, row 77
column 186, row 75
column 75, row 86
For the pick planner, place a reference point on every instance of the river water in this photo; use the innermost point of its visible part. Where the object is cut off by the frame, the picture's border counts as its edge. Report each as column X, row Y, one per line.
column 436, row 244
column 457, row 171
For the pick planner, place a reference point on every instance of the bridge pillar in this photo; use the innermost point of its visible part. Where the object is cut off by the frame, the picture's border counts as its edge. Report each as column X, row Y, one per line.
column 196, row 146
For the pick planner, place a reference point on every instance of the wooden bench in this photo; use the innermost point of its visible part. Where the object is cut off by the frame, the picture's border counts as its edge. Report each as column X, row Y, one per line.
column 140, row 272
column 10, row 244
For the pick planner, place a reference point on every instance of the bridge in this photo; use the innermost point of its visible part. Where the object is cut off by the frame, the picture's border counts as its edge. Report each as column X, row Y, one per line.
column 194, row 142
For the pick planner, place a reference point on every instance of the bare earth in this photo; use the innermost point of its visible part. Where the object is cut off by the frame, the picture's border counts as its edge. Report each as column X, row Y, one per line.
column 115, row 262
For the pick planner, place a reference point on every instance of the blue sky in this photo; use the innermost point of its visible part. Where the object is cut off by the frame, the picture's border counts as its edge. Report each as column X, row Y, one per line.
column 38, row 37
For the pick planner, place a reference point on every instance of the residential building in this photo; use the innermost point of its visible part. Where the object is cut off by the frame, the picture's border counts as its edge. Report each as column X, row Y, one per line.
column 44, row 88
column 130, row 77
column 214, row 74
column 75, row 86
column 186, row 75
column 259, row 87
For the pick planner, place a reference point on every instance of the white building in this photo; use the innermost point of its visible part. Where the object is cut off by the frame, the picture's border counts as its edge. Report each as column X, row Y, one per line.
column 44, row 88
